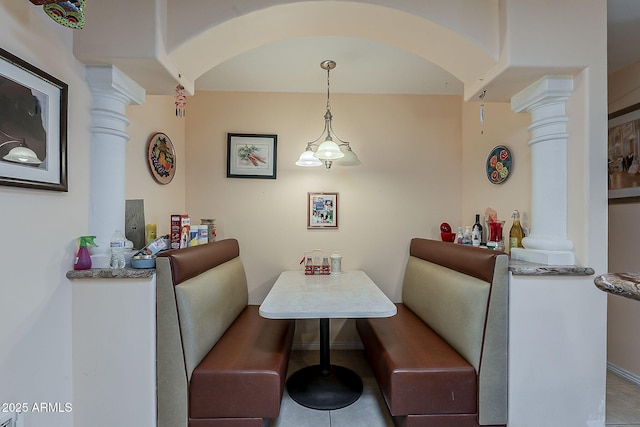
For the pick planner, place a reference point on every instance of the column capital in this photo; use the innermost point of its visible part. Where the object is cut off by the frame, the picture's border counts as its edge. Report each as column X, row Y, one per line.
column 547, row 90
column 110, row 79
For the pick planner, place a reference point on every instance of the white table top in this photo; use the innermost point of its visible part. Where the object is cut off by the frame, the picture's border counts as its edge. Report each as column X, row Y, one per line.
column 351, row 294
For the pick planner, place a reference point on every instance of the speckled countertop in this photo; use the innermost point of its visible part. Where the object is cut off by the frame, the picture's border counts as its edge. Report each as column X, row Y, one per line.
column 622, row 284
column 518, row 268
column 108, row 273
column 524, row 268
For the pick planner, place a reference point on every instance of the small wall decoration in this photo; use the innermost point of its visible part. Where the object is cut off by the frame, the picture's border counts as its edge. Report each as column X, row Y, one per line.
column 251, row 155
column 67, row 13
column 161, row 156
column 499, row 164
column 322, row 210
column 623, row 155
column 33, row 126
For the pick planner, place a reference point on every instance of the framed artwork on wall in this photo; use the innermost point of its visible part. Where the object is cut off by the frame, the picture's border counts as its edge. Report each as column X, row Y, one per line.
column 322, row 210
column 33, row 126
column 623, row 155
column 251, row 155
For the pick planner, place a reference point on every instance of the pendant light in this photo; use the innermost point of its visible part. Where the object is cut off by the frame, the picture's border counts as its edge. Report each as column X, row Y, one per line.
column 332, row 149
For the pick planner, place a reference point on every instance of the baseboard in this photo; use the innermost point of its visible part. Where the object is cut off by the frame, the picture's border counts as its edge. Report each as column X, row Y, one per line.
column 339, row 345
column 621, row 372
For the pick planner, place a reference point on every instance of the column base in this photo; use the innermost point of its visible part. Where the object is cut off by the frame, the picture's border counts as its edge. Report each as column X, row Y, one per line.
column 540, row 256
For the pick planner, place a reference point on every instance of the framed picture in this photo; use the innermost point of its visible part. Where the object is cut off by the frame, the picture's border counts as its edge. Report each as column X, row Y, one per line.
column 33, row 126
column 322, row 210
column 251, row 155
column 623, row 155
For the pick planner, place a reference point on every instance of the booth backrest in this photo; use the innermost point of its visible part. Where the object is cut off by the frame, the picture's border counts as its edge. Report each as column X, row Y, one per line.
column 200, row 291
column 461, row 292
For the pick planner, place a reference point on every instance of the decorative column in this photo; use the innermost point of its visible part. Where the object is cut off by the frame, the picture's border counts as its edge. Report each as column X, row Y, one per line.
column 111, row 92
column 545, row 100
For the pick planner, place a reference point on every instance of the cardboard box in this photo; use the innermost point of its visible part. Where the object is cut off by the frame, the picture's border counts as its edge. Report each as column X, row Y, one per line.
column 180, row 225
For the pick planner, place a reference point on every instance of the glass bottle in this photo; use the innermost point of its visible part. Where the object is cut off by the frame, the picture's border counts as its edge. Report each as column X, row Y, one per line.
column 516, row 233
column 466, row 237
column 476, row 232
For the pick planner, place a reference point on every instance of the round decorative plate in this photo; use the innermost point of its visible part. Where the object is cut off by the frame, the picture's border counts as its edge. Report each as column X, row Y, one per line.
column 499, row 164
column 67, row 13
column 162, row 158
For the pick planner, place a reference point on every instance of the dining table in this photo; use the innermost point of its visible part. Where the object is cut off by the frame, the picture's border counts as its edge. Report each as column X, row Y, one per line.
column 348, row 294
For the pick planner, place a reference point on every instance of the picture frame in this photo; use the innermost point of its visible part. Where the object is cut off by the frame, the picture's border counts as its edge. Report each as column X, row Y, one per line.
column 322, row 210
column 251, row 155
column 623, row 155
column 33, row 126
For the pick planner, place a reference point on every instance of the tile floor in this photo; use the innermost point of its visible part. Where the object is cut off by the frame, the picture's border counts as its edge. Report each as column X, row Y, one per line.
column 623, row 398
column 623, row 402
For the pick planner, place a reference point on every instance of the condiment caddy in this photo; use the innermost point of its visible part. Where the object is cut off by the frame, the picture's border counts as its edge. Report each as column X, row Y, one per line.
column 319, row 262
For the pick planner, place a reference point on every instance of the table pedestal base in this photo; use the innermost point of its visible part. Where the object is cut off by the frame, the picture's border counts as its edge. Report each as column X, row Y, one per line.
column 316, row 388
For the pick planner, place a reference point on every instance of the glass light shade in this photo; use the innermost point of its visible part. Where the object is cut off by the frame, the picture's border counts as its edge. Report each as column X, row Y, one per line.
column 307, row 159
column 349, row 159
column 328, row 150
column 22, row 155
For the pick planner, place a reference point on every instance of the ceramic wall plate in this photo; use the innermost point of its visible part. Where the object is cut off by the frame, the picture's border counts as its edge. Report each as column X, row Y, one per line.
column 499, row 164
column 67, row 13
column 162, row 158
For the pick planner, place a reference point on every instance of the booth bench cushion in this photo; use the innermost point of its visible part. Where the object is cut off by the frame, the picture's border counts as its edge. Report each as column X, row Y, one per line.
column 245, row 365
column 421, row 382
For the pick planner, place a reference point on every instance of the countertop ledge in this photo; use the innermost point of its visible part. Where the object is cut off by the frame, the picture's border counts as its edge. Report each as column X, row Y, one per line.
column 524, row 268
column 108, row 273
column 623, row 284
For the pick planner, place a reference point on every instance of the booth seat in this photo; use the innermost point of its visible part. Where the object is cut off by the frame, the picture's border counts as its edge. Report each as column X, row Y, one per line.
column 219, row 363
column 442, row 360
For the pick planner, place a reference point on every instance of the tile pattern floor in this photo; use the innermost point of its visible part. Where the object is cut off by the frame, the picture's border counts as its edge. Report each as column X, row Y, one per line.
column 623, row 402
column 623, row 398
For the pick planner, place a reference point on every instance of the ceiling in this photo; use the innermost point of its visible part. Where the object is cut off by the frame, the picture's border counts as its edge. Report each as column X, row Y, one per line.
column 365, row 66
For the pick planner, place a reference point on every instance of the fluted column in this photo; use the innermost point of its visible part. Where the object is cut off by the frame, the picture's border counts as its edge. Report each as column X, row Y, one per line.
column 111, row 92
column 545, row 100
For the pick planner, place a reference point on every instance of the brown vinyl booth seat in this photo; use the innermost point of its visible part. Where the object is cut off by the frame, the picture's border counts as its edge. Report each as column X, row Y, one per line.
column 219, row 363
column 442, row 360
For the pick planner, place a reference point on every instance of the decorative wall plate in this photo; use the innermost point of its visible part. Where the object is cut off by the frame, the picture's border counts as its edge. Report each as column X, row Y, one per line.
column 162, row 158
column 499, row 164
column 67, row 13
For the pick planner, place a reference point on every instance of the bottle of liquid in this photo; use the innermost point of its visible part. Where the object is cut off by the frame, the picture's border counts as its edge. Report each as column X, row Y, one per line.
column 336, row 263
column 83, row 259
column 459, row 236
column 466, row 237
column 516, row 233
column 476, row 232
column 117, row 245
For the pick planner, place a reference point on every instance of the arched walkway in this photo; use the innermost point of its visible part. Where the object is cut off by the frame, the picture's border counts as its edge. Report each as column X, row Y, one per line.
column 441, row 45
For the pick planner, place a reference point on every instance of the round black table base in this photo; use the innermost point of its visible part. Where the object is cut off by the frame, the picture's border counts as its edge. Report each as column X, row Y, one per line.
column 310, row 388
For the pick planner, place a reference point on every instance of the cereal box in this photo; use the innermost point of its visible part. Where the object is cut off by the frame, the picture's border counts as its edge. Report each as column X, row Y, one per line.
column 180, row 225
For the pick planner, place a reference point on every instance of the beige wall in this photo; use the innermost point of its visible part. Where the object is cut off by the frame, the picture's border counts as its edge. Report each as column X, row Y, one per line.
column 623, row 338
column 157, row 114
column 501, row 127
column 411, row 179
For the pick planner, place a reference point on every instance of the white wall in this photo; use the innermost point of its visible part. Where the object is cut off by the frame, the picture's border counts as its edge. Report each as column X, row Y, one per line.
column 39, row 228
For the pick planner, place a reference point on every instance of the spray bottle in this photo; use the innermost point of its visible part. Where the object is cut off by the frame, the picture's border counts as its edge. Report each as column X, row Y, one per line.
column 83, row 259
